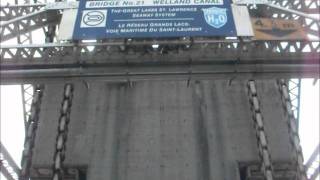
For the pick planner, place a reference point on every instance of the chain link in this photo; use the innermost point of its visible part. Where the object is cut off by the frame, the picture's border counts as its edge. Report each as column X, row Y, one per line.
column 293, row 130
column 32, row 125
column 61, row 139
column 266, row 164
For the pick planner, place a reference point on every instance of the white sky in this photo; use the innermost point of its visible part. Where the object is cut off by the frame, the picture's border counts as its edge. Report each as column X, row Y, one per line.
column 309, row 116
column 12, row 123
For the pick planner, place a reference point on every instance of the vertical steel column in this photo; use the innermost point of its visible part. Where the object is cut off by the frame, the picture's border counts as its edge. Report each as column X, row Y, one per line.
column 64, row 119
column 292, row 128
column 27, row 95
column 264, row 153
column 32, row 126
column 25, row 89
column 51, row 32
column 27, row 36
column 295, row 91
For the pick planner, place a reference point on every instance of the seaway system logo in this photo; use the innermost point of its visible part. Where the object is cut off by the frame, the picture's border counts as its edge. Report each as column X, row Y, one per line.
column 93, row 18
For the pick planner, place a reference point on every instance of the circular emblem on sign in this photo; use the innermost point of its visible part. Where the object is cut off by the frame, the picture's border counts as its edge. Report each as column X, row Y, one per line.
column 93, row 18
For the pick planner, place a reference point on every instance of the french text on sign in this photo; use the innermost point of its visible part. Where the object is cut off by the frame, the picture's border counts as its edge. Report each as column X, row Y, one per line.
column 137, row 19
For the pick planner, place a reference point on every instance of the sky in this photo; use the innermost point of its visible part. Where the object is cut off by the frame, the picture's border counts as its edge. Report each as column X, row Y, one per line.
column 309, row 117
column 11, row 121
column 12, row 125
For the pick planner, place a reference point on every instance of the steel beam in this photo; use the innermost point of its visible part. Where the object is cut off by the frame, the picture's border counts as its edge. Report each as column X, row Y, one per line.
column 295, row 91
column 222, row 56
column 30, row 22
column 293, row 7
column 315, row 173
column 13, row 11
column 313, row 164
column 5, row 172
column 215, row 48
column 292, row 54
column 27, row 96
column 7, row 165
column 313, row 157
column 292, row 11
column 310, row 7
column 229, row 69
column 25, row 89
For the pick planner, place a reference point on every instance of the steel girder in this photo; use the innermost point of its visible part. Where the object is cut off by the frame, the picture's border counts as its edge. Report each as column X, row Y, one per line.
column 295, row 91
column 312, row 26
column 8, row 167
column 110, row 62
column 43, row 52
column 27, row 96
column 313, row 164
column 10, row 12
column 309, row 6
column 27, row 90
column 291, row 55
column 157, row 71
column 13, row 28
column 53, row 59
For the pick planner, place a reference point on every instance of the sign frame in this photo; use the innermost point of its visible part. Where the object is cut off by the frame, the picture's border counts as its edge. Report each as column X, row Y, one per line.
column 158, row 21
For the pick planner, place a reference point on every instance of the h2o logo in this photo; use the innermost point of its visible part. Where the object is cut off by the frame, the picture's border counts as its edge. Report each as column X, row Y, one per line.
column 215, row 17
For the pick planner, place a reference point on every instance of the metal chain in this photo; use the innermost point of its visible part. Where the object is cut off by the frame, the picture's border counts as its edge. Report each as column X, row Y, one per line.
column 266, row 164
column 292, row 128
column 32, row 125
column 61, row 139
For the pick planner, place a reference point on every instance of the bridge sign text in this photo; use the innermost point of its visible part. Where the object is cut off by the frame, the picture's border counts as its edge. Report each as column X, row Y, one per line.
column 153, row 18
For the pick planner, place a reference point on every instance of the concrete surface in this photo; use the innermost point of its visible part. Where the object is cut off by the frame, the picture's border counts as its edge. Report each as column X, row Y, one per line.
column 162, row 130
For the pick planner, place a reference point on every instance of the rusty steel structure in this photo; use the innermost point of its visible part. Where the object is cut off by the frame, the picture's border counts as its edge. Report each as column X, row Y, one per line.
column 134, row 60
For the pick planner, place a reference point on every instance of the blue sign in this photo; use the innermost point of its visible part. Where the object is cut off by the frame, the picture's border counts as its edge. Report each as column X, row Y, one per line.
column 153, row 18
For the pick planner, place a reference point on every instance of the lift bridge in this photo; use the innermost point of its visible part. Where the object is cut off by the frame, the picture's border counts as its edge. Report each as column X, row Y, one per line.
column 185, row 108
